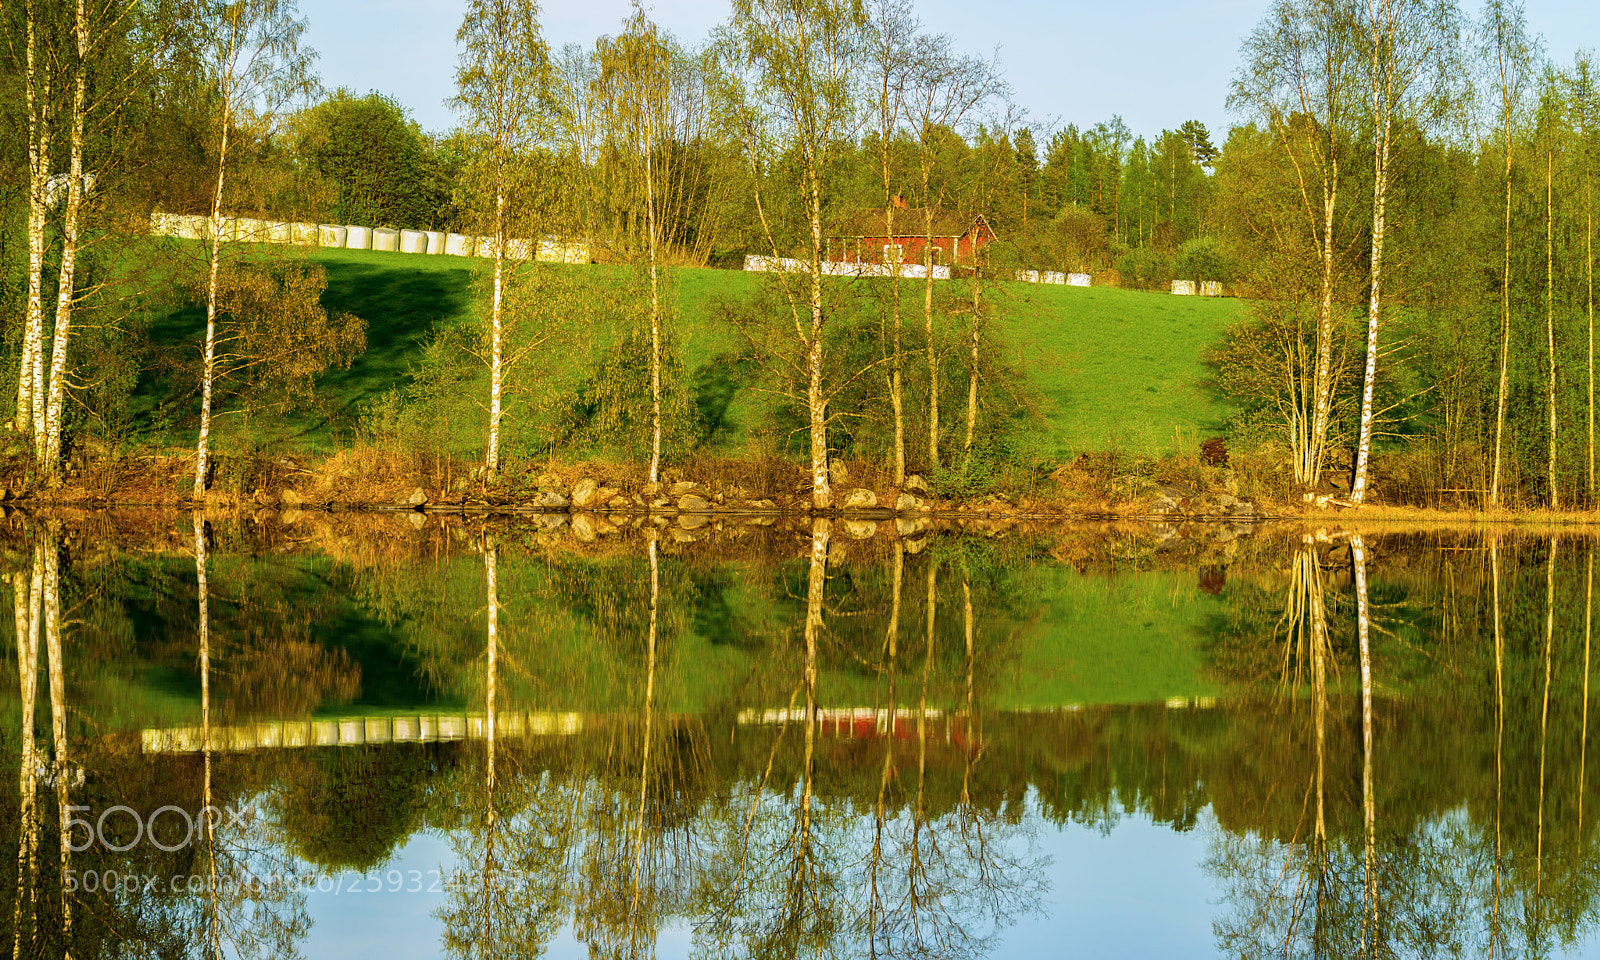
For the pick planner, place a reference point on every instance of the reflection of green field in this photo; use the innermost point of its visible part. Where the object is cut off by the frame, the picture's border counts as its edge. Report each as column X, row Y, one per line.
column 572, row 637
column 1112, row 368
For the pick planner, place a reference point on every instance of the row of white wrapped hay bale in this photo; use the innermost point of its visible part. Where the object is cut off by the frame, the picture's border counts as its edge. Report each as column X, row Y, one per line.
column 351, row 237
column 1205, row 288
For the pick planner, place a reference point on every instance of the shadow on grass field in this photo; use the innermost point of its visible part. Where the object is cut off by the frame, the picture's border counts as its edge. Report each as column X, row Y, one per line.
column 1112, row 369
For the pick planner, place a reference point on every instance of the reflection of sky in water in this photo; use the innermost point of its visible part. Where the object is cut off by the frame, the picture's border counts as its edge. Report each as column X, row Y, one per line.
column 1137, row 892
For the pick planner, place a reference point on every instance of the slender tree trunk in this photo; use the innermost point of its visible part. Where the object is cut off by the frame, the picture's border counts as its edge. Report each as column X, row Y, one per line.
column 1322, row 398
column 29, row 392
column 1380, row 196
column 1499, row 738
column 1588, row 261
column 816, row 397
column 66, row 290
column 491, row 455
column 927, row 319
column 655, row 315
column 208, row 371
column 972, row 367
column 1503, row 390
column 1550, row 318
column 649, row 719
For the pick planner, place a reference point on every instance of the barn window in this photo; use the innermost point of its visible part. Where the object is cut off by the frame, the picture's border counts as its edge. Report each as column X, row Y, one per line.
column 893, row 253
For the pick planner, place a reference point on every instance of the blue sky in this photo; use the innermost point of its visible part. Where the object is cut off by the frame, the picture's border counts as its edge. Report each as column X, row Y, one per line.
column 1156, row 63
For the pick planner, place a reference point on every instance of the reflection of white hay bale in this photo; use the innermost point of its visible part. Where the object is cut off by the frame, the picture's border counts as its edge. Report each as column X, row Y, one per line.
column 386, row 239
column 304, row 234
column 378, row 730
column 1182, row 288
column 297, row 734
column 358, row 238
column 435, row 241
column 452, row 728
column 1077, row 279
column 350, row 732
column 413, row 241
column 1210, row 288
column 331, row 235
column 276, row 231
column 325, row 733
column 405, row 728
column 457, row 245
column 427, row 728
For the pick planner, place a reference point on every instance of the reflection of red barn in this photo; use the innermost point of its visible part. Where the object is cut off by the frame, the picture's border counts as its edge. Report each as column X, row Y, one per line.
column 870, row 239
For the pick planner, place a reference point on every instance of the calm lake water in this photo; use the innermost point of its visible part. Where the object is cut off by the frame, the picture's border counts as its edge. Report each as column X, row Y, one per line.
column 393, row 737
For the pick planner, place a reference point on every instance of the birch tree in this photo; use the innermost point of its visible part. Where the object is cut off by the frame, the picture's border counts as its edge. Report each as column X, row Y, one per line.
column 1512, row 54
column 944, row 88
column 647, row 102
column 252, row 50
column 1583, row 98
column 1297, row 77
column 891, row 49
column 37, row 75
column 502, row 88
column 1411, row 46
column 791, row 67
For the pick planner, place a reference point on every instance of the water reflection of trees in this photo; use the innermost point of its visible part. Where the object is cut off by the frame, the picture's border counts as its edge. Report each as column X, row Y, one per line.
column 1404, row 820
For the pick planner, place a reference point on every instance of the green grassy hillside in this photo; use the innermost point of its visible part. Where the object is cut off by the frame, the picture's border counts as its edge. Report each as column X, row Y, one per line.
column 1110, row 368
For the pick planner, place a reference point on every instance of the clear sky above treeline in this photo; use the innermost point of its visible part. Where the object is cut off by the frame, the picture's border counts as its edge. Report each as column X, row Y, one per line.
column 1156, row 63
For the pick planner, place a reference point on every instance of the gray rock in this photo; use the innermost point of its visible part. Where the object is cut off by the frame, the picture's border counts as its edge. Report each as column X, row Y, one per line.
column 650, row 489
column 1164, row 505
column 551, row 500
column 682, row 487
column 585, row 492
column 905, row 527
column 910, row 503
column 859, row 498
column 838, row 472
column 916, row 484
column 690, row 503
column 620, row 503
column 605, row 494
column 417, row 498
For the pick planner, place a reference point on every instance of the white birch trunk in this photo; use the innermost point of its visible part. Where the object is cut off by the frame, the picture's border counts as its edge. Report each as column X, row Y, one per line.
column 38, row 97
column 26, row 594
column 1550, row 318
column 927, row 319
column 202, row 450
column 1369, row 805
column 66, row 292
column 1503, row 389
column 653, row 253
column 816, row 398
column 1382, row 110
column 203, row 598
column 491, row 456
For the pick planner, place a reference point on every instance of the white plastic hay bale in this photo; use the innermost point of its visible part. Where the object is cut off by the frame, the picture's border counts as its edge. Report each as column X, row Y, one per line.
column 435, row 241
column 1210, row 288
column 331, row 235
column 188, row 228
column 249, row 230
column 413, row 241
column 386, row 239
column 1051, row 276
column 275, row 231
column 158, row 224
column 519, row 249
column 303, row 234
column 357, row 238
column 457, row 245
column 486, row 246
column 1182, row 288
column 1077, row 279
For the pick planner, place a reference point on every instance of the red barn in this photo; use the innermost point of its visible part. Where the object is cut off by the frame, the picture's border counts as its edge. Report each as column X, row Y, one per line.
column 956, row 239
